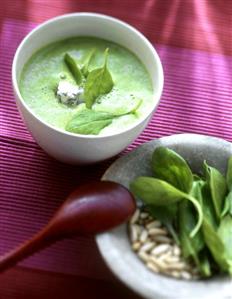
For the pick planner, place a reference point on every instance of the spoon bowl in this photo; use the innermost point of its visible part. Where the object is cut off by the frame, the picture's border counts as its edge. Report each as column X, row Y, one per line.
column 91, row 209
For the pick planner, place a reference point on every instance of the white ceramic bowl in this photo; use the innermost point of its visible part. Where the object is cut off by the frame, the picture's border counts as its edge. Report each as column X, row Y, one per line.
column 75, row 148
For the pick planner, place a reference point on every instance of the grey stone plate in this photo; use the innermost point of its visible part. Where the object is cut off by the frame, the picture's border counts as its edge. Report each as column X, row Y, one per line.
column 114, row 245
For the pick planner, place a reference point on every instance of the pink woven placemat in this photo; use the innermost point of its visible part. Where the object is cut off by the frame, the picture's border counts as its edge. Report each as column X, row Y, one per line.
column 194, row 41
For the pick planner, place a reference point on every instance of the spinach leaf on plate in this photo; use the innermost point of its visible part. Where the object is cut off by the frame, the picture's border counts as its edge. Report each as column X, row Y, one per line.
column 225, row 233
column 191, row 247
column 167, row 165
column 207, row 207
column 227, row 209
column 205, row 266
column 212, row 239
column 210, row 227
column 214, row 244
column 229, row 174
column 196, row 190
column 199, row 254
column 160, row 193
column 227, row 205
column 217, row 186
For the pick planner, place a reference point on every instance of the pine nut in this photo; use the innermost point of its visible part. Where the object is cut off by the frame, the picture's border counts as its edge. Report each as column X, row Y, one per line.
column 147, row 246
column 157, row 231
column 164, row 256
column 185, row 275
column 172, row 259
column 176, row 266
column 136, row 246
column 152, row 267
column 143, row 236
column 138, row 228
column 133, row 233
column 153, row 224
column 160, row 249
column 144, row 215
column 135, row 217
column 159, row 263
column 162, row 239
column 144, row 256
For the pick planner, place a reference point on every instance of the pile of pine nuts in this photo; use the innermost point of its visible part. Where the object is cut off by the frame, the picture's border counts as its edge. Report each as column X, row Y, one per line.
column 157, row 249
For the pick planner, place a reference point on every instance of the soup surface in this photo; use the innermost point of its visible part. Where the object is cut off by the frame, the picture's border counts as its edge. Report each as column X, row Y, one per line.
column 46, row 69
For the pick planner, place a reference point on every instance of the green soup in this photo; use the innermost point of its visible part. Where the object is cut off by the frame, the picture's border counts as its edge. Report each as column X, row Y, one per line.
column 46, row 68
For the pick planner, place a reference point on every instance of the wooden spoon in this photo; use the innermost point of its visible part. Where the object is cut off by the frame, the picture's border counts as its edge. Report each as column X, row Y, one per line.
column 90, row 209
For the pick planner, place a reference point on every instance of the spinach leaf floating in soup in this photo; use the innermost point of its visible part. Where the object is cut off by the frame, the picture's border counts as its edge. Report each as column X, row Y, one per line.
column 98, row 82
column 89, row 122
column 196, row 210
column 73, row 67
column 85, row 67
column 64, row 78
column 92, row 122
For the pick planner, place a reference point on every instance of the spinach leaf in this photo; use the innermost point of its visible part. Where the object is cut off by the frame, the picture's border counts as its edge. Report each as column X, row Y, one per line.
column 204, row 266
column 228, row 205
column 187, row 221
column 167, row 165
column 229, row 174
column 196, row 177
column 160, row 193
column 98, row 82
column 167, row 216
column 227, row 209
column 225, row 233
column 209, row 229
column 118, row 108
column 214, row 244
column 218, row 189
column 89, row 122
column 196, row 190
column 200, row 192
column 156, row 192
column 85, row 67
column 193, row 246
column 92, row 128
column 73, row 68
column 207, row 207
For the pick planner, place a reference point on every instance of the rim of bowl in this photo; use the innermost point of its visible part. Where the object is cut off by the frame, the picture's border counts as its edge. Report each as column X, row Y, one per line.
column 160, row 73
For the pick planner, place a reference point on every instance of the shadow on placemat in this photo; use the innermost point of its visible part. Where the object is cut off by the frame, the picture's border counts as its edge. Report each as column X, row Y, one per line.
column 23, row 283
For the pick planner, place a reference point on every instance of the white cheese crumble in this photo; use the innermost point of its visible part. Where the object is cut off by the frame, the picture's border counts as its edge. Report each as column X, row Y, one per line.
column 69, row 93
